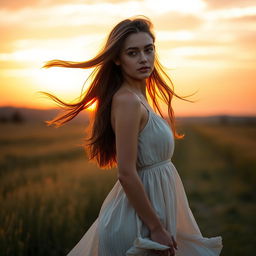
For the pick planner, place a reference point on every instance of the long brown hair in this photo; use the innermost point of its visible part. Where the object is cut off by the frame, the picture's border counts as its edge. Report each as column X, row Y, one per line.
column 106, row 80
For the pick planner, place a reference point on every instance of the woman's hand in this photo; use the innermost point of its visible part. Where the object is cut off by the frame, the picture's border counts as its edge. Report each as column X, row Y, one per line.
column 162, row 236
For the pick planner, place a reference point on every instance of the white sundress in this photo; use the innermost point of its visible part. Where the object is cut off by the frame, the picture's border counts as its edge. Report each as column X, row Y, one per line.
column 119, row 231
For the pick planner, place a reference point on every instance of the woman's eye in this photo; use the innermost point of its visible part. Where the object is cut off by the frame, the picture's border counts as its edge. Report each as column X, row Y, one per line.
column 150, row 49
column 132, row 53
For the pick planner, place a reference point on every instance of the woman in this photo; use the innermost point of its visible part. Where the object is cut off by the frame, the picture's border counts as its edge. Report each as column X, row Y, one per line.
column 146, row 212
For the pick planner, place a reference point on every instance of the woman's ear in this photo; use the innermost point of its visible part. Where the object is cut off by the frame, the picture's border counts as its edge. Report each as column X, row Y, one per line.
column 117, row 62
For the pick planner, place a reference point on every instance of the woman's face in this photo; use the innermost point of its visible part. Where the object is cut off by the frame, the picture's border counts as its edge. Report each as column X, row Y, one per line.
column 138, row 51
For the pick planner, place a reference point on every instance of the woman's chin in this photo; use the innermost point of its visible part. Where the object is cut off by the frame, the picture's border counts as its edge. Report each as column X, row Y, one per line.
column 144, row 75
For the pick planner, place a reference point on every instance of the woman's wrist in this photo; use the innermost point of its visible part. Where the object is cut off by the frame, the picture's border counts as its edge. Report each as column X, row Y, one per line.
column 156, row 227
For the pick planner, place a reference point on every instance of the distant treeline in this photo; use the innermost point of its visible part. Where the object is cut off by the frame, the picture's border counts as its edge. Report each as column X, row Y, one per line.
column 21, row 115
column 218, row 119
column 15, row 117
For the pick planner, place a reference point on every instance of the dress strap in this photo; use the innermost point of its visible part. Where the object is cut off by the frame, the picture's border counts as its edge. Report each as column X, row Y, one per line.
column 139, row 100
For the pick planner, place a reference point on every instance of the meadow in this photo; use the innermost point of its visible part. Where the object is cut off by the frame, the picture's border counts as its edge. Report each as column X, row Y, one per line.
column 50, row 194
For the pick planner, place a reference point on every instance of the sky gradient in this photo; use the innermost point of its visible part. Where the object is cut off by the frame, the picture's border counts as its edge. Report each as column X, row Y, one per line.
column 208, row 46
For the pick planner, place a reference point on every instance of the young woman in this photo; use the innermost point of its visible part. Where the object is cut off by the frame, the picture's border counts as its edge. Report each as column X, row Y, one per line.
column 146, row 212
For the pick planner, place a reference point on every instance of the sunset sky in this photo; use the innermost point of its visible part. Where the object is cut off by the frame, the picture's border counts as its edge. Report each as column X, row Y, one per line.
column 208, row 45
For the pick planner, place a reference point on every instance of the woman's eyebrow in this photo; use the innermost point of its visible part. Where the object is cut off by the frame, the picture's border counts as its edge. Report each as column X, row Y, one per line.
column 135, row 48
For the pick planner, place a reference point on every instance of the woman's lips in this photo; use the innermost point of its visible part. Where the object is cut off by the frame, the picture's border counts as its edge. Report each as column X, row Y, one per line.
column 143, row 69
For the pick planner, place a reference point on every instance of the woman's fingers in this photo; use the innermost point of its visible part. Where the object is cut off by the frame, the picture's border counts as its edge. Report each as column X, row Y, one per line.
column 162, row 253
column 171, row 251
column 168, row 252
column 174, row 243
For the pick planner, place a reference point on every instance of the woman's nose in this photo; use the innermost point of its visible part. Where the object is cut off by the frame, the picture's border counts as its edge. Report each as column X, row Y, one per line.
column 143, row 57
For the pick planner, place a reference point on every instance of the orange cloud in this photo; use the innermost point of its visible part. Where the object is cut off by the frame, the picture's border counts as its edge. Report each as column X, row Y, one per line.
column 21, row 4
column 177, row 21
column 211, row 4
column 212, row 47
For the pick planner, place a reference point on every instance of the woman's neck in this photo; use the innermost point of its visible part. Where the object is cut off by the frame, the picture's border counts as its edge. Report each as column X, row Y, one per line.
column 138, row 87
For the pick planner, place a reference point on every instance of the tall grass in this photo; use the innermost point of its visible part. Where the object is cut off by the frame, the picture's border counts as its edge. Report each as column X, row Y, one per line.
column 50, row 194
column 217, row 163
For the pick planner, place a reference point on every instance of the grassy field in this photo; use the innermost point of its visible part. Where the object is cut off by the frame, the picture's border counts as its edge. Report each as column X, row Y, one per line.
column 50, row 194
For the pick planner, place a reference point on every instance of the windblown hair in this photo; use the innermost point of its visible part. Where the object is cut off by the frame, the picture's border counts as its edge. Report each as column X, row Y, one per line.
column 106, row 80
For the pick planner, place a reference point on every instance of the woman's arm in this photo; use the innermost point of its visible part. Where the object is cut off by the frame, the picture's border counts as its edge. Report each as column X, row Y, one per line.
column 126, row 110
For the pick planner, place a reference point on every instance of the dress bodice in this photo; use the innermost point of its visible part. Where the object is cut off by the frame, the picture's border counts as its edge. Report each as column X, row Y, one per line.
column 155, row 141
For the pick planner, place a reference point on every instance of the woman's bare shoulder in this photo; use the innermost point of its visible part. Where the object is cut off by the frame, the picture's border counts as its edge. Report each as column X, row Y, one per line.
column 123, row 97
column 124, row 104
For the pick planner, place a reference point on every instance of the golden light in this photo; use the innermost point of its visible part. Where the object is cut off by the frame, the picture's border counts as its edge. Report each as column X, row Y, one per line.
column 203, row 47
column 65, row 83
column 92, row 107
column 183, row 6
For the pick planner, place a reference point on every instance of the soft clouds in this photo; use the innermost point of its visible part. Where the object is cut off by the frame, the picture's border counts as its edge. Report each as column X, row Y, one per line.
column 21, row 4
column 16, row 5
column 193, row 35
column 175, row 27
column 244, row 19
column 227, row 4
column 177, row 21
